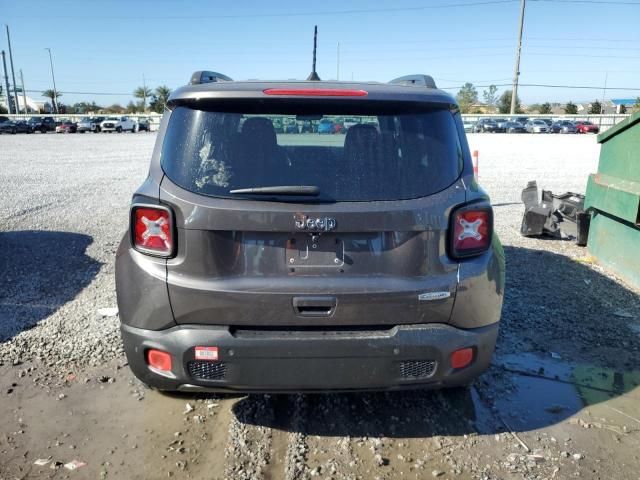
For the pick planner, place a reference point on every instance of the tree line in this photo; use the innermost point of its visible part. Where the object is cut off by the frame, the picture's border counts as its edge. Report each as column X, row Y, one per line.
column 468, row 101
column 149, row 101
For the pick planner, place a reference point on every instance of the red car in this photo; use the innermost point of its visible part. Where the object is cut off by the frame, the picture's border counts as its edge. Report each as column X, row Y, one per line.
column 586, row 127
column 67, row 127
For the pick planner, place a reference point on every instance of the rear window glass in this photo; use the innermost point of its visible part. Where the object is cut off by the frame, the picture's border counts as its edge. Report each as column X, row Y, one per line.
column 348, row 157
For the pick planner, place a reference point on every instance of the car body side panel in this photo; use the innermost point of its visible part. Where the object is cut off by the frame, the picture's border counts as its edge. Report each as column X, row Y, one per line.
column 141, row 288
column 480, row 289
column 481, row 279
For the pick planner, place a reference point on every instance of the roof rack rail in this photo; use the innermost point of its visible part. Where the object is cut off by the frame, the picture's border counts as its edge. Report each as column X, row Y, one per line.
column 418, row 80
column 208, row 77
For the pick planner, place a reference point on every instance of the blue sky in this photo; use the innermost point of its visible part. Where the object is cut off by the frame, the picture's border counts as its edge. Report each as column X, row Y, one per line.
column 107, row 46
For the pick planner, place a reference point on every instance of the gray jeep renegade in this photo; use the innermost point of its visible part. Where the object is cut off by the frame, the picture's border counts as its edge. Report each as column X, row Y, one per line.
column 309, row 236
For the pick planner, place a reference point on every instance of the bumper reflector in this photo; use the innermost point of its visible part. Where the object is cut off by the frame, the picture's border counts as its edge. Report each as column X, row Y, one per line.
column 461, row 358
column 159, row 360
column 207, row 353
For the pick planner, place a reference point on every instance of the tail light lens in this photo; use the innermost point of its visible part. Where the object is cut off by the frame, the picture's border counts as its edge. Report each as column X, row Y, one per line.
column 152, row 230
column 471, row 230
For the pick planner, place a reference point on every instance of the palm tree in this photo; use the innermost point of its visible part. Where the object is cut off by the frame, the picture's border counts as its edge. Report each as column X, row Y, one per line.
column 163, row 92
column 142, row 93
column 54, row 96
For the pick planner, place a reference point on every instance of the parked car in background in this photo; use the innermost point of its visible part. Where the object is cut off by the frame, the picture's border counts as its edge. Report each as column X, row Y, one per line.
column 326, row 126
column 118, row 124
column 563, row 126
column 292, row 127
column 521, row 120
column 501, row 123
column 277, row 125
column 548, row 121
column 13, row 127
column 584, row 126
column 485, row 125
column 90, row 124
column 349, row 122
column 536, row 126
column 84, row 125
column 67, row 127
column 42, row 124
column 95, row 124
column 143, row 125
column 308, row 127
column 468, row 125
column 514, row 127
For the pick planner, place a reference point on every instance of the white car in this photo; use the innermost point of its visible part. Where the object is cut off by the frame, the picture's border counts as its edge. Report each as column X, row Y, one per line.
column 468, row 125
column 118, row 124
column 536, row 126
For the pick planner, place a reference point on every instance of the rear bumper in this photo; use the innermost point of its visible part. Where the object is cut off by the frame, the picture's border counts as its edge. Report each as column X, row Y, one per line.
column 403, row 356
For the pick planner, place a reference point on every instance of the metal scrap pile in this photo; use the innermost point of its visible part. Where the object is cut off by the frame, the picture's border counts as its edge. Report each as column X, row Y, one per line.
column 558, row 216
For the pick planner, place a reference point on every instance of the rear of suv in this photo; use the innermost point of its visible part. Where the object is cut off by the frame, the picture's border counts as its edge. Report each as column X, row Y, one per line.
column 259, row 261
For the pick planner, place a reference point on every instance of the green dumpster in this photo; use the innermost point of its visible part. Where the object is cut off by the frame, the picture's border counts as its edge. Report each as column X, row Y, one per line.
column 613, row 196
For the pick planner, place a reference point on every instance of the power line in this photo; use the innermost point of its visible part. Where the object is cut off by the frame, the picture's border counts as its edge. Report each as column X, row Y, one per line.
column 537, row 54
column 583, row 39
column 599, row 2
column 324, row 12
column 585, row 87
column 544, row 85
column 541, row 85
column 283, row 14
column 86, row 93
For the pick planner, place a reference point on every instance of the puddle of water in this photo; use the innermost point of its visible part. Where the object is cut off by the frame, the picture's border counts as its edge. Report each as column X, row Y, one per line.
column 549, row 390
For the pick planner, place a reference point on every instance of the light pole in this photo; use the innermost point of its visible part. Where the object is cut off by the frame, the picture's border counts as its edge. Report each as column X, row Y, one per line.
column 55, row 92
column 13, row 73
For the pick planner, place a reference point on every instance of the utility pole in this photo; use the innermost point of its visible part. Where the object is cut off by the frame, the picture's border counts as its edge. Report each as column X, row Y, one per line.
column 55, row 92
column 338, row 62
column 24, row 92
column 516, row 72
column 6, row 82
column 604, row 91
column 13, row 75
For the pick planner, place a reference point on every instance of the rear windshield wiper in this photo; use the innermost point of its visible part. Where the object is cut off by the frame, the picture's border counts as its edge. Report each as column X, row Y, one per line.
column 306, row 190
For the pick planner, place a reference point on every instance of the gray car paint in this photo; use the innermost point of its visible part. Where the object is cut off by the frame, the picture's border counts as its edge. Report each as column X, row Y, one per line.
column 230, row 269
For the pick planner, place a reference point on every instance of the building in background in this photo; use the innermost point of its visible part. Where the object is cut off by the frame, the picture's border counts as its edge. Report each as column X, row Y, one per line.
column 628, row 103
column 33, row 106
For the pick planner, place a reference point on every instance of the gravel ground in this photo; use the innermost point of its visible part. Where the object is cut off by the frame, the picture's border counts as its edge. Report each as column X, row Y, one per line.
column 560, row 401
column 63, row 213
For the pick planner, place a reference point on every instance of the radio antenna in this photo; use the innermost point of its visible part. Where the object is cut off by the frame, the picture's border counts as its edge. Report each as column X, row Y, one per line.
column 314, row 75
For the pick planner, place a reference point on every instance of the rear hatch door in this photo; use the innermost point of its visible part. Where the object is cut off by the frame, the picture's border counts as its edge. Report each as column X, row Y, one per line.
column 365, row 246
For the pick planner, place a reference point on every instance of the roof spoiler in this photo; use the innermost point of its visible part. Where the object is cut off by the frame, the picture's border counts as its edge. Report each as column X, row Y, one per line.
column 417, row 80
column 208, row 77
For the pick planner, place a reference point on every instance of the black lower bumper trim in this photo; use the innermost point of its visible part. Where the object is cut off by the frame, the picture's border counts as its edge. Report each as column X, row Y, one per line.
column 405, row 356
